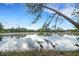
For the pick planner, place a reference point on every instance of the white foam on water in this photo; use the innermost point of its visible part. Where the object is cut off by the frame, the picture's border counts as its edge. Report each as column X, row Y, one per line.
column 65, row 42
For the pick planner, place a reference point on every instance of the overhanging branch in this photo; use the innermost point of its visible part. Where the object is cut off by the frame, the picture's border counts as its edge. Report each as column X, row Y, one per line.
column 67, row 18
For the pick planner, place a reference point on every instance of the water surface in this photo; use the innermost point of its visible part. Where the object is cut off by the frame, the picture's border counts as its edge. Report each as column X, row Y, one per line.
column 29, row 42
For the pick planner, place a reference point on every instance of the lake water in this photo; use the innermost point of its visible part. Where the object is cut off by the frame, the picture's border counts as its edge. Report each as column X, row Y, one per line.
column 29, row 42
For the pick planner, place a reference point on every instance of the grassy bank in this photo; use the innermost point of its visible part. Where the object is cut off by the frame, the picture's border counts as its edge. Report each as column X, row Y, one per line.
column 39, row 53
column 38, row 33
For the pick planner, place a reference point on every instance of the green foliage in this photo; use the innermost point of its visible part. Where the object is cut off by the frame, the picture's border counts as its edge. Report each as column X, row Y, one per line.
column 1, row 28
column 45, row 31
column 18, row 30
column 35, row 9
column 39, row 53
column 75, row 12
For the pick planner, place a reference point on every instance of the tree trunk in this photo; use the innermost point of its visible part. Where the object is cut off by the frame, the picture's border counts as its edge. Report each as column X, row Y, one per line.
column 67, row 18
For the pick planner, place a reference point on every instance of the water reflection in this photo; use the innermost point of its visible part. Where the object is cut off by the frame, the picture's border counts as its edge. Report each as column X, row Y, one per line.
column 0, row 38
column 78, row 39
column 55, row 42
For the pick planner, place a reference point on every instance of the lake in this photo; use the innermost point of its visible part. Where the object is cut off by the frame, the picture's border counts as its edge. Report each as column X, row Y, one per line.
column 30, row 42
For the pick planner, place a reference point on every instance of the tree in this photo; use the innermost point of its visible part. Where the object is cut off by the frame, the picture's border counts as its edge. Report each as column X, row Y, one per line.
column 37, row 9
column 75, row 12
column 1, row 28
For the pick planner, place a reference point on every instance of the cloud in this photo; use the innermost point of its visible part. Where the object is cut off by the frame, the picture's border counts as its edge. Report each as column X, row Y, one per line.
column 67, row 11
column 66, row 8
column 49, row 11
column 33, row 26
column 67, row 27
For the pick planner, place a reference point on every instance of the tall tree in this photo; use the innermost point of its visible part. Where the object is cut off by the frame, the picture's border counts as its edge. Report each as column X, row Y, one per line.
column 75, row 12
column 76, row 9
column 1, row 26
column 37, row 9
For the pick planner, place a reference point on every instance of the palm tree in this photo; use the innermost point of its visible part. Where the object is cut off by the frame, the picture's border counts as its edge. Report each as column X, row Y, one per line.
column 37, row 9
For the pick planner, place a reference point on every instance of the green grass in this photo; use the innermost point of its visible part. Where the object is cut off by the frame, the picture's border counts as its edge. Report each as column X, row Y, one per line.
column 39, row 53
column 44, row 33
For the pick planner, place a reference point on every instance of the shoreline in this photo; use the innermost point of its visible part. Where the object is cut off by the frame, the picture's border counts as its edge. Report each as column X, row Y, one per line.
column 32, row 33
column 41, row 53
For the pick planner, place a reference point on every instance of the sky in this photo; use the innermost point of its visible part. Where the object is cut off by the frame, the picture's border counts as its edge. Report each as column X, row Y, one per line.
column 16, row 15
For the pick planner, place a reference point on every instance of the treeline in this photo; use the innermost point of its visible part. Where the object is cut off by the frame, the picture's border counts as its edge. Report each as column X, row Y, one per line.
column 18, row 29
column 2, row 29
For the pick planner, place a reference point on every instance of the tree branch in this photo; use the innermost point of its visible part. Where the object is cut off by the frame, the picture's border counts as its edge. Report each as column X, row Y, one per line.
column 67, row 18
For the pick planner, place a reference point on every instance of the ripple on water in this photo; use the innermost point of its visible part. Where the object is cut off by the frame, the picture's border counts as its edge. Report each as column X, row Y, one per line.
column 65, row 42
